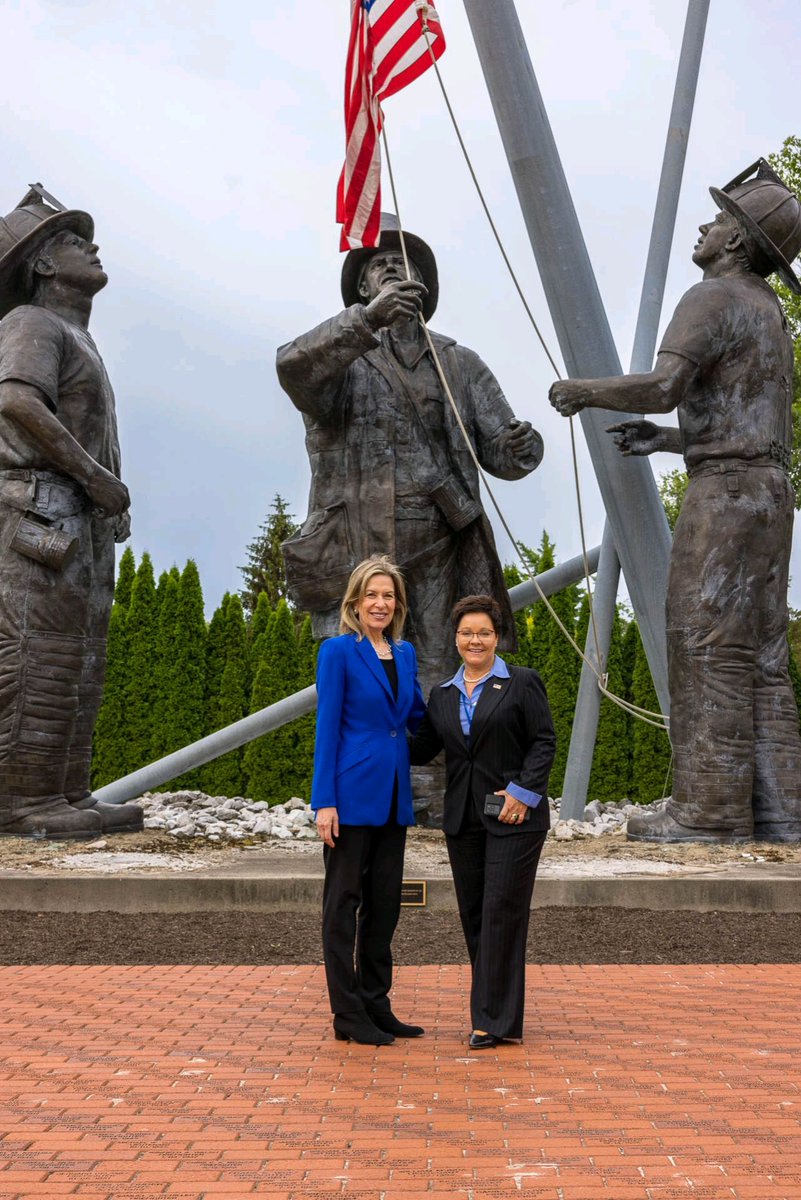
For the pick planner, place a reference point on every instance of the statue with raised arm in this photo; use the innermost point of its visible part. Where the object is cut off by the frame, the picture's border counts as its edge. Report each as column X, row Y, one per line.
column 726, row 364
column 62, row 506
column 391, row 472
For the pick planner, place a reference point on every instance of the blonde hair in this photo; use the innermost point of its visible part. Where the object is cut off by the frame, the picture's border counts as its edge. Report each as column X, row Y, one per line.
column 376, row 564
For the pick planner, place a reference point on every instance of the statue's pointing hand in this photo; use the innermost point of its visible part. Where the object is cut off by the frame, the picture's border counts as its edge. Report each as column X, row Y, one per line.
column 569, row 396
column 400, row 300
column 638, row 437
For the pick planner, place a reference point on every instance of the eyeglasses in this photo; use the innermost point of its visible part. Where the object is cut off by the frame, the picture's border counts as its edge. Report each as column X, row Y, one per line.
column 483, row 635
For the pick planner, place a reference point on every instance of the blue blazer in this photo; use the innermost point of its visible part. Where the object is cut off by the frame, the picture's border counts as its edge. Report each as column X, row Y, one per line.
column 361, row 747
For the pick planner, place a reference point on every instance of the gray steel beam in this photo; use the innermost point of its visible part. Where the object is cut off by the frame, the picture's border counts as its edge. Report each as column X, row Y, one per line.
column 588, row 703
column 627, row 486
column 585, row 721
column 298, row 704
column 524, row 594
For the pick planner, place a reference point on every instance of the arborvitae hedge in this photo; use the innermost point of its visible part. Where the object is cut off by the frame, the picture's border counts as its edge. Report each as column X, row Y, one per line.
column 562, row 668
column 186, row 681
column 610, row 778
column 651, row 753
column 141, row 679
column 541, row 620
column 271, row 766
column 171, row 679
column 223, row 776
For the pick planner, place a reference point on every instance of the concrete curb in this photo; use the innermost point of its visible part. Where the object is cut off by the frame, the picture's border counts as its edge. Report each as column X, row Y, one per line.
column 740, row 891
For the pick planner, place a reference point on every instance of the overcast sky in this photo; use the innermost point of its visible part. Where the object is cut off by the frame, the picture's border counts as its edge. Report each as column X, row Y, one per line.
column 206, row 139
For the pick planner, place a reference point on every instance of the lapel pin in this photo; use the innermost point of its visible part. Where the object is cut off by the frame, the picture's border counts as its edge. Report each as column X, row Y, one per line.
column 497, row 686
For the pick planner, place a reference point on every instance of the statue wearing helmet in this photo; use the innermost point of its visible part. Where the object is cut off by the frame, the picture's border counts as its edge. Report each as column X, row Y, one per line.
column 726, row 364
column 62, row 505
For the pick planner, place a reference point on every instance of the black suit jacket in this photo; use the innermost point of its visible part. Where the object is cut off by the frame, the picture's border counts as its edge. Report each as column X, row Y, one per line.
column 512, row 740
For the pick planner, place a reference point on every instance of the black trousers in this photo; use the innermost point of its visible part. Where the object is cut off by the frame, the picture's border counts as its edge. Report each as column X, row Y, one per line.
column 494, row 881
column 361, row 906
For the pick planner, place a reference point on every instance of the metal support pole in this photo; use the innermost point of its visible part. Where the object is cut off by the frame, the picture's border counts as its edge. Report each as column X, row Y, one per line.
column 588, row 703
column 300, row 703
column 627, row 486
column 585, row 721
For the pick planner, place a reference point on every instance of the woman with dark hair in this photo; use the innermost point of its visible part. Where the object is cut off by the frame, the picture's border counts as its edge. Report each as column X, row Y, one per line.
column 368, row 695
column 495, row 726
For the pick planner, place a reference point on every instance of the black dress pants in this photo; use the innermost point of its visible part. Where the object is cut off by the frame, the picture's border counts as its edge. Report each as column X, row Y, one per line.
column 494, row 881
column 361, row 906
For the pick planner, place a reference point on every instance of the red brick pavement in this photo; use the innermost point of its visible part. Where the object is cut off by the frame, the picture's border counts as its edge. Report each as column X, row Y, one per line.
column 634, row 1083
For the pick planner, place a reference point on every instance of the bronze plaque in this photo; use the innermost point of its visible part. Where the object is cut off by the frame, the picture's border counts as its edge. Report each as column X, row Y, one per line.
column 413, row 893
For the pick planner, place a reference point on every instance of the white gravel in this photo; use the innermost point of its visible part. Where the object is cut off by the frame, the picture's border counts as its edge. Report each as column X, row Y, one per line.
column 191, row 814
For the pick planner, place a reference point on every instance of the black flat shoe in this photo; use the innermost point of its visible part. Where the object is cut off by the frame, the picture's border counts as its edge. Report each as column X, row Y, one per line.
column 390, row 1024
column 357, row 1027
column 483, row 1041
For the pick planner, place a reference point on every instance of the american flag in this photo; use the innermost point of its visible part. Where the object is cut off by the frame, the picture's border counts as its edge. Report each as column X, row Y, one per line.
column 387, row 51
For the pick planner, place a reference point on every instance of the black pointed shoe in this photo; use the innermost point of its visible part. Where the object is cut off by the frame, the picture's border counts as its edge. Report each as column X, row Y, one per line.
column 483, row 1041
column 390, row 1024
column 357, row 1027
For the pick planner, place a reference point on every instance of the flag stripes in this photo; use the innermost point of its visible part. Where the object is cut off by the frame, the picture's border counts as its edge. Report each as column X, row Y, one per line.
column 387, row 50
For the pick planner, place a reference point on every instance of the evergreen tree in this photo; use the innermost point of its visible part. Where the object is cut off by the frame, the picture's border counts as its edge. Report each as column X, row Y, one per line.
column 164, row 692
column 610, row 778
column 795, row 677
column 258, row 625
column 651, row 754
column 110, row 738
column 628, row 656
column 186, row 684
column 223, row 776
column 264, row 570
column 126, row 573
column 215, row 664
column 562, row 668
column 541, row 621
column 271, row 767
column 305, row 726
column 141, row 629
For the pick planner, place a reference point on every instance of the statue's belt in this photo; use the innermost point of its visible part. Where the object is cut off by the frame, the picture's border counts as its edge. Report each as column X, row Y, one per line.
column 778, row 457
column 25, row 489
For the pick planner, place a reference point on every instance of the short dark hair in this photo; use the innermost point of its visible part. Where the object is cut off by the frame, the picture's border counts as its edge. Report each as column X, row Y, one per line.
column 483, row 604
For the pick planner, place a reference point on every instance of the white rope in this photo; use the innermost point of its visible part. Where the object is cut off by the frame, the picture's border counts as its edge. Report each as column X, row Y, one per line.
column 642, row 714
column 661, row 720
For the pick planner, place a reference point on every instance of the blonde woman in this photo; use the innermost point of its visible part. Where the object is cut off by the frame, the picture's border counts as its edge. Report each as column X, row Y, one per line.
column 368, row 695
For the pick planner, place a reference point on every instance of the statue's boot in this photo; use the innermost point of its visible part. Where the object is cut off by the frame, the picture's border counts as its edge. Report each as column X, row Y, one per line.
column 26, row 812
column 777, row 776
column 115, row 818
column 660, row 826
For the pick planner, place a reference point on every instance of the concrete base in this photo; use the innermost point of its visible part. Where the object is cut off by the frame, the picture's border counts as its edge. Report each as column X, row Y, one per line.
column 759, row 887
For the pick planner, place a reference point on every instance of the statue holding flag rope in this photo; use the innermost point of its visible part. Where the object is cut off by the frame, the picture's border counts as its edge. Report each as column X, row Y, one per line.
column 391, row 470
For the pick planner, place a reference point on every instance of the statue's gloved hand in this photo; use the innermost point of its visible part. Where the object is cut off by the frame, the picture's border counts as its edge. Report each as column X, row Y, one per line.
column 108, row 494
column 522, row 445
column 638, row 437
column 400, row 300
column 569, row 396
column 122, row 527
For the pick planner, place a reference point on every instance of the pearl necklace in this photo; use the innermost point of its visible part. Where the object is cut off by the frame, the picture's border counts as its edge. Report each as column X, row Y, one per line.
column 467, row 678
column 385, row 649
